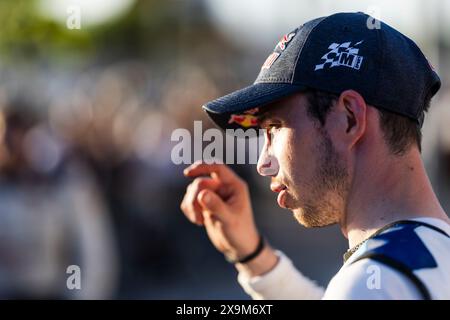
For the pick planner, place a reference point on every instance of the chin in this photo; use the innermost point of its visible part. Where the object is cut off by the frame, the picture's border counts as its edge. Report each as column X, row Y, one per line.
column 315, row 220
column 299, row 215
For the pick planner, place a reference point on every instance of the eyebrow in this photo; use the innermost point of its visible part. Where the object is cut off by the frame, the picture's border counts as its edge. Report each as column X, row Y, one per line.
column 265, row 117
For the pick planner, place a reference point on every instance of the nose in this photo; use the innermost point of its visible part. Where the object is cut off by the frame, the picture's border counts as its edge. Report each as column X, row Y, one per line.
column 267, row 164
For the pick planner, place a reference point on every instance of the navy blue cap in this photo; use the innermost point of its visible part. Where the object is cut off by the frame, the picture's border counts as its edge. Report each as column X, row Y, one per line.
column 335, row 53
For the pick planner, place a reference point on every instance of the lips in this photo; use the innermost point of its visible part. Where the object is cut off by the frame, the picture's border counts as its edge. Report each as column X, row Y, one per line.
column 281, row 199
column 281, row 189
column 277, row 187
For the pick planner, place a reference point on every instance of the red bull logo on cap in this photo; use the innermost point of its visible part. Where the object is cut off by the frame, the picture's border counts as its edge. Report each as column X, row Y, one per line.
column 246, row 120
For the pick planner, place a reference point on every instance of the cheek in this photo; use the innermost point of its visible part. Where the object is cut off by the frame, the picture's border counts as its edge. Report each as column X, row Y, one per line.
column 297, row 156
column 285, row 149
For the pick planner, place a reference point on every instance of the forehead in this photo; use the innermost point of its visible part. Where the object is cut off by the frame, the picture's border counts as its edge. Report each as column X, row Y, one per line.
column 284, row 108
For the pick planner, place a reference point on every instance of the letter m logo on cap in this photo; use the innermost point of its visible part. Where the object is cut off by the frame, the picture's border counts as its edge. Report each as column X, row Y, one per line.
column 341, row 55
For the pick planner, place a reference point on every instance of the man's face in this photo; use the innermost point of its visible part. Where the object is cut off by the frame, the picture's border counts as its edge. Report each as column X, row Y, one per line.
column 308, row 174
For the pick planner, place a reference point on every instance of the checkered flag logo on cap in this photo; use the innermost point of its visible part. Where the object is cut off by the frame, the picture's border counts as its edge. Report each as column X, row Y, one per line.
column 341, row 55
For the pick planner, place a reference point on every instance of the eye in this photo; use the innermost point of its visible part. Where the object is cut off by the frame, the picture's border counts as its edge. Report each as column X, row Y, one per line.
column 270, row 126
column 273, row 127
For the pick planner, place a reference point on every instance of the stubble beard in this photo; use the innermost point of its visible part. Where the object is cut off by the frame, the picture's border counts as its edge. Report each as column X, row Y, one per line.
column 324, row 203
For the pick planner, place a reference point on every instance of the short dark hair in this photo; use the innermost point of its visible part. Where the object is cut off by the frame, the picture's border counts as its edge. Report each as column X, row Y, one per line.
column 400, row 132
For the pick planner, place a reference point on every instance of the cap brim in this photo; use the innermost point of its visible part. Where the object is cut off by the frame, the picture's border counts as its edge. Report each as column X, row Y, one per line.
column 237, row 103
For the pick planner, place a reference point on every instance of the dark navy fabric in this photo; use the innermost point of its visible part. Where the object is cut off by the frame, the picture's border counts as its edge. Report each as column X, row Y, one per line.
column 402, row 244
column 337, row 53
column 398, row 246
column 284, row 68
column 250, row 97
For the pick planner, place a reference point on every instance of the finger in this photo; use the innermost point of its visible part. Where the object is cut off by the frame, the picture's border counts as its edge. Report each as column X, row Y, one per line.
column 203, row 183
column 212, row 224
column 187, row 169
column 221, row 171
column 188, row 209
column 213, row 204
column 190, row 205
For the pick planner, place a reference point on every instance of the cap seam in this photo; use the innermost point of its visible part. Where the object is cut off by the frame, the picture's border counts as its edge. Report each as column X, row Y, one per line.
column 275, row 80
column 304, row 44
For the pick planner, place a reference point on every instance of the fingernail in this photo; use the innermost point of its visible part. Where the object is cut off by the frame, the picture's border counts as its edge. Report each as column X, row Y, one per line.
column 206, row 198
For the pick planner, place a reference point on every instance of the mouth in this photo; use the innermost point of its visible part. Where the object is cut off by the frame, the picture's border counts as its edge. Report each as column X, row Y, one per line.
column 281, row 189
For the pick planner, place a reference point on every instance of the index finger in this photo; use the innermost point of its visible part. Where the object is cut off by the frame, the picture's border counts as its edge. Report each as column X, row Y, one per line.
column 221, row 170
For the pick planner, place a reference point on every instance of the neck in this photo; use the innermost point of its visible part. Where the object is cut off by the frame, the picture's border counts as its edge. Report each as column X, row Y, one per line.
column 398, row 189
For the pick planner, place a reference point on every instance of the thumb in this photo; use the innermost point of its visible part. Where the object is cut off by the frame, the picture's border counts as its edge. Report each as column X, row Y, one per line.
column 210, row 201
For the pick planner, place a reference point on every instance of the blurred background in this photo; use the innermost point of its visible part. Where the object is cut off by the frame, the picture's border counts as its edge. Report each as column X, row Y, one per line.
column 87, row 108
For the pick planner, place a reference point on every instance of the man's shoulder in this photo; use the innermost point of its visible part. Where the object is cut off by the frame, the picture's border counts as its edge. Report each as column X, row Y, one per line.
column 368, row 279
column 404, row 261
column 412, row 245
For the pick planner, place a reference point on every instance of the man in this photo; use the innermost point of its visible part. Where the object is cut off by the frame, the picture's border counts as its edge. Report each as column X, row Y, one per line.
column 342, row 106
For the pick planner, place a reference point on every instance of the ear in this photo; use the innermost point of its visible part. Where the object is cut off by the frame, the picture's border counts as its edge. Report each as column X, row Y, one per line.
column 350, row 121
